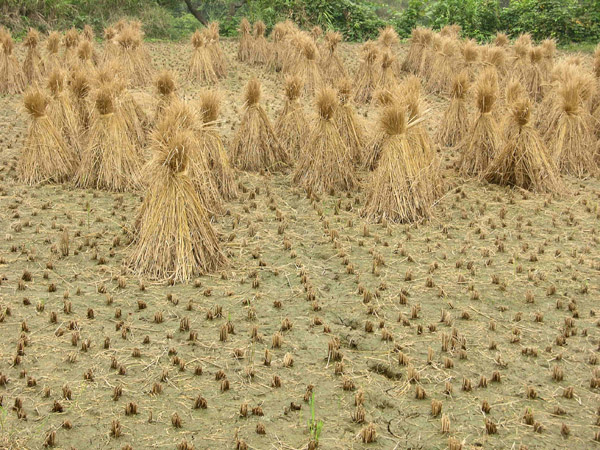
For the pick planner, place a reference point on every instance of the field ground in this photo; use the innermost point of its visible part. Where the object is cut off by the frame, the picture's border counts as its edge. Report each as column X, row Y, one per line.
column 491, row 284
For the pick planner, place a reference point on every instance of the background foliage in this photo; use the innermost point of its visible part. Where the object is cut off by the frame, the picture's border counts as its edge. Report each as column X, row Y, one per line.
column 566, row 20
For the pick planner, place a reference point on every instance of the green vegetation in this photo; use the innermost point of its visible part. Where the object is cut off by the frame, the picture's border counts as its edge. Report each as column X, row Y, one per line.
column 567, row 21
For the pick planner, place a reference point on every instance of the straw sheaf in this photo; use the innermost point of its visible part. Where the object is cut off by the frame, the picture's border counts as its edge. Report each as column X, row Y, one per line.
column 501, row 40
column 198, row 40
column 470, row 51
column 104, row 101
column 252, row 92
column 487, row 91
column 175, row 154
column 393, row 120
column 85, row 51
column 536, row 54
column 384, row 97
column 521, row 111
column 53, row 42
column 56, row 81
column 316, row 32
column 110, row 33
column 345, row 88
column 79, row 84
column 333, row 38
column 524, row 40
column 570, row 97
column 88, row 33
column 309, row 50
column 165, row 83
column 460, row 85
column 548, row 48
column 387, row 59
column 71, row 38
column 514, row 91
column 326, row 103
column 369, row 52
column 293, row 86
column 32, row 39
column 259, row 28
column 244, row 26
column 388, row 37
column 35, row 103
column 210, row 105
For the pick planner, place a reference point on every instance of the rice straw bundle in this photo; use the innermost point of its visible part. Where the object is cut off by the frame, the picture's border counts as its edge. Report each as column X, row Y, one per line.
column 291, row 125
column 595, row 107
column 386, row 79
column 259, row 51
column 33, row 66
column 201, row 69
column 79, row 87
column 501, row 40
column 45, row 156
column 315, row 33
column 524, row 160
column 278, row 36
column 308, row 68
column 70, row 42
column 398, row 189
column 495, row 57
column 180, row 116
column 111, row 48
column 452, row 31
column 533, row 76
column 444, row 67
column 382, row 98
column 347, row 121
column 570, row 136
column 245, row 44
column 470, row 57
column 514, row 92
column 367, row 74
column 484, row 143
column 110, row 160
column 132, row 57
column 521, row 49
column 455, row 122
column 85, row 56
column 11, row 77
column 292, row 52
column 166, row 89
column 255, row 146
column 217, row 56
column 52, row 52
column 420, row 38
column 325, row 163
column 548, row 47
column 211, row 145
column 133, row 114
column 175, row 239
column 62, row 114
column 430, row 57
column 388, row 41
column 332, row 66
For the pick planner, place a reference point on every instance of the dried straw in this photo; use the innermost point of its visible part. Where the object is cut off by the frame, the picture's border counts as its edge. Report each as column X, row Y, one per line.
column 110, row 160
column 291, row 125
column 217, row 56
column 33, row 65
column 367, row 75
column 455, row 122
column 307, row 67
column 259, row 49
column 524, row 160
column 325, row 163
column 255, row 146
column 166, row 90
column 484, row 142
column 201, row 69
column 347, row 121
column 175, row 239
column 331, row 64
column 211, row 145
column 45, row 156
column 62, row 113
column 245, row 44
column 11, row 77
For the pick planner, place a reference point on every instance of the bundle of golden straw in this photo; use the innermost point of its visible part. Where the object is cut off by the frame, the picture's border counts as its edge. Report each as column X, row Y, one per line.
column 175, row 239
column 180, row 116
column 110, row 160
column 217, row 56
column 291, row 125
column 62, row 113
column 347, row 121
column 501, row 40
column 259, row 49
column 331, row 64
column 85, row 56
column 211, row 145
column 79, row 89
column 372, row 152
column 386, row 78
column 388, row 40
column 70, row 42
column 255, row 146
column 245, row 43
column 52, row 52
column 111, row 48
column 484, row 142
column 33, row 66
column 533, row 76
column 325, row 163
column 419, row 40
column 45, row 156
column 368, row 73
column 524, row 160
column 307, row 67
column 570, row 136
column 398, row 190
column 455, row 122
column 201, row 69
column 278, row 36
column 11, row 77
column 444, row 67
column 132, row 57
column 166, row 89
column 470, row 57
